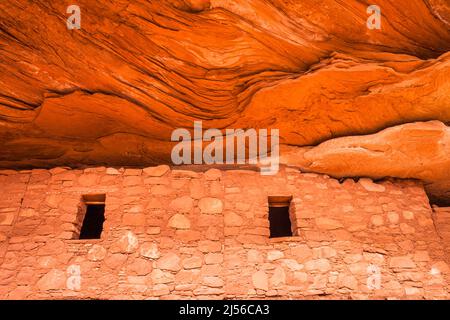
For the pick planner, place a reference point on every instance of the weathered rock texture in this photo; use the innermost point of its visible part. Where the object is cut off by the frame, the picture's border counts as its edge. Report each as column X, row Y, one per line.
column 112, row 92
column 419, row 150
column 186, row 234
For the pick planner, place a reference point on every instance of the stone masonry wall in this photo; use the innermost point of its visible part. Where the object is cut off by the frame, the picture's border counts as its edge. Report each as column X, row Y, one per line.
column 441, row 217
column 181, row 234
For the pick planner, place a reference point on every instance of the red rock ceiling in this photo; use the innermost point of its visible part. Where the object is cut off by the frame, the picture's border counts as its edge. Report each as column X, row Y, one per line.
column 113, row 91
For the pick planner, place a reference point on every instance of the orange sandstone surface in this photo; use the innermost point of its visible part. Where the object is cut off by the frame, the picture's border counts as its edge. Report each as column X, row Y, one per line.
column 112, row 92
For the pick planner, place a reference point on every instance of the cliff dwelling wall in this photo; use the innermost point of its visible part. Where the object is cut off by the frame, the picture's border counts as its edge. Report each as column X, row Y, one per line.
column 183, row 234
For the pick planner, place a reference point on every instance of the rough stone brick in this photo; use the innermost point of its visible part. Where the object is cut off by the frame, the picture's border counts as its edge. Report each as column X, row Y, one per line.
column 406, row 228
column 328, row 224
column 408, row 215
column 128, row 243
column 278, row 278
column 150, row 250
column 140, row 267
column 213, row 174
column 192, row 263
column 6, row 219
column 112, row 171
column 324, row 252
column 134, row 219
column 402, row 262
column 116, row 260
column 96, row 253
column 348, row 281
column 214, row 282
column 183, row 204
column 369, row 185
column 132, row 172
column 52, row 280
column 88, row 180
column 159, row 277
column 377, row 220
column 254, row 256
column 169, row 261
column 260, row 280
column 274, row 255
column 132, row 181
column 157, row 171
column 232, row 220
column 213, row 258
column 302, row 252
column 322, row 265
column 210, row 205
column 393, row 217
column 210, row 246
column 179, row 221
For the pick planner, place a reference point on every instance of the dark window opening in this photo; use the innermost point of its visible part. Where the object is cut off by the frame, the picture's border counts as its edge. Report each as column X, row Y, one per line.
column 92, row 225
column 440, row 200
column 279, row 217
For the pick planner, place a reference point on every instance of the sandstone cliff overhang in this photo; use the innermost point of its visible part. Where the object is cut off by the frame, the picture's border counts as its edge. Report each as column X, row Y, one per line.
column 113, row 91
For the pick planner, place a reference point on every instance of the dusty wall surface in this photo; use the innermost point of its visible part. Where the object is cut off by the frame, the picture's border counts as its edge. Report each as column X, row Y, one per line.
column 183, row 234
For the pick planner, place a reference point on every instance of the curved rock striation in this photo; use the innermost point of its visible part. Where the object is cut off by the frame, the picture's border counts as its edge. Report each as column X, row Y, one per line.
column 113, row 91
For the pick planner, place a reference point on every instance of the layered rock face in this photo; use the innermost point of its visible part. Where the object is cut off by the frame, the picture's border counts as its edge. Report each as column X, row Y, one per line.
column 113, row 91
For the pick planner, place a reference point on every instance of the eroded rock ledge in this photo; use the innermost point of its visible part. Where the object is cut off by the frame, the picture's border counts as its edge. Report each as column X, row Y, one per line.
column 418, row 150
